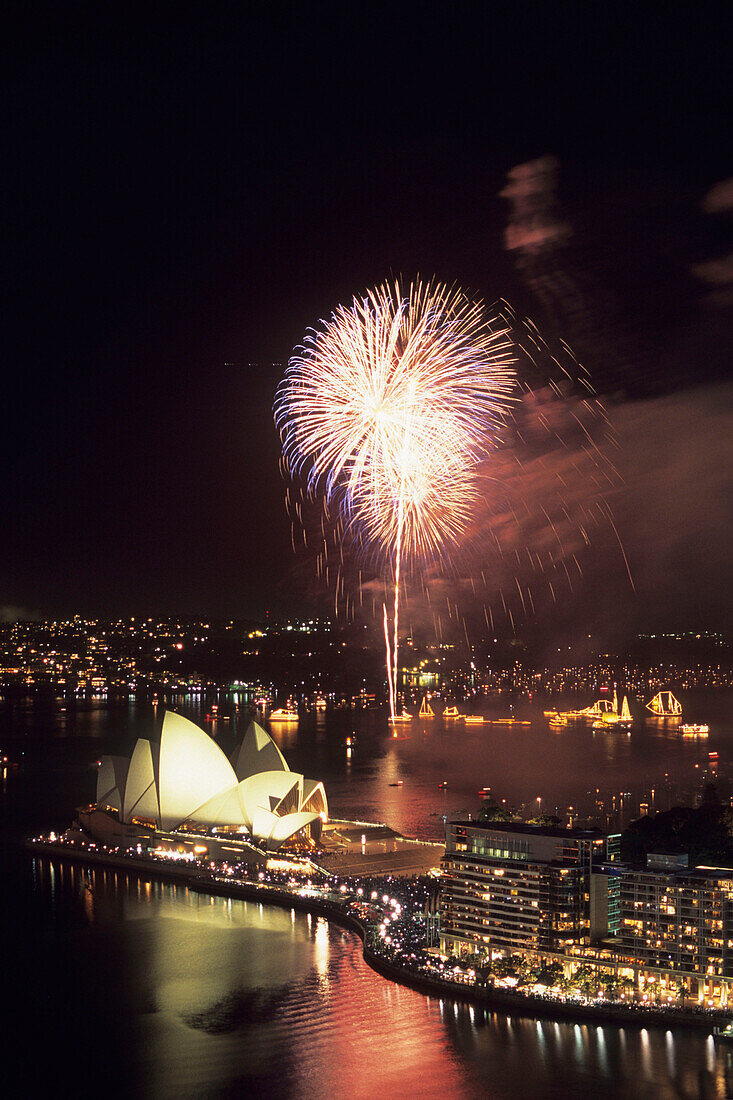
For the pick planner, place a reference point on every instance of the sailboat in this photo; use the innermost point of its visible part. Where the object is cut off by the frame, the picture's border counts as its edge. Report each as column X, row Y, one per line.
column 664, row 705
column 625, row 719
column 426, row 711
column 599, row 708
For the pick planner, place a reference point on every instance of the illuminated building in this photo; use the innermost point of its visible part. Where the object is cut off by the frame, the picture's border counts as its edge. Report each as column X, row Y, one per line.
column 516, row 887
column 665, row 928
column 677, row 925
column 187, row 784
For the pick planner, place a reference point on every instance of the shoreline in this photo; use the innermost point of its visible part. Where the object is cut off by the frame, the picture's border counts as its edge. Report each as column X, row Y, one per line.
column 505, row 1001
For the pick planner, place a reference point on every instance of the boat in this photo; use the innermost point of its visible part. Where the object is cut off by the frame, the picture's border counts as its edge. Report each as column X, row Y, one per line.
column 443, row 785
column 403, row 716
column 474, row 720
column 452, row 712
column 397, row 784
column 558, row 721
column 693, row 729
column 724, row 1034
column 284, row 714
column 320, row 704
column 426, row 711
column 625, row 718
column 550, row 713
column 600, row 707
column 609, row 714
column 664, row 705
column 508, row 722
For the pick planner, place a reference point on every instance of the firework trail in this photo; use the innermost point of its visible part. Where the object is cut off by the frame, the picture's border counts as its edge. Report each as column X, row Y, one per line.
column 387, row 410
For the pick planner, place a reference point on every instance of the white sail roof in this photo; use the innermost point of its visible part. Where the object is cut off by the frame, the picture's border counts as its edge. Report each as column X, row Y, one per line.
column 111, row 781
column 141, row 788
column 187, row 779
column 314, row 796
column 192, row 770
column 257, row 753
column 288, row 826
column 267, row 789
column 224, row 808
column 263, row 822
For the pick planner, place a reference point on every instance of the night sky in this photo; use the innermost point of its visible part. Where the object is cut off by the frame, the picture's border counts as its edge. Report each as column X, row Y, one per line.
column 188, row 187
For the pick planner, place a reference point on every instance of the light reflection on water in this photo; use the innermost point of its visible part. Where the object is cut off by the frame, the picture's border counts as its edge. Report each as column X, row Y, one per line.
column 189, row 995
column 223, row 994
column 518, row 764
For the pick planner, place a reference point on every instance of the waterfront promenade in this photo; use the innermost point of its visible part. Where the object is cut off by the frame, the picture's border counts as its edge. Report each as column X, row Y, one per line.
column 366, row 913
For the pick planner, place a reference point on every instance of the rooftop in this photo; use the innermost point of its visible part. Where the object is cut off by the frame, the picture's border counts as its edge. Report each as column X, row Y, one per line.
column 532, row 830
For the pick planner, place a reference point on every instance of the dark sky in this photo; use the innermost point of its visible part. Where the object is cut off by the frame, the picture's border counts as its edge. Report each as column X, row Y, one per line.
column 187, row 187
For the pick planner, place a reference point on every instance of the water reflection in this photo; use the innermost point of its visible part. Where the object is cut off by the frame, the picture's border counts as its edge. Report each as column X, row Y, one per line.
column 211, row 996
column 225, row 994
column 516, row 763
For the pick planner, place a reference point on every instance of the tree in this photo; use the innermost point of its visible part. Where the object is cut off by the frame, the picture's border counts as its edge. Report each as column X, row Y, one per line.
column 508, row 967
column 585, row 979
column 492, row 811
column 550, row 973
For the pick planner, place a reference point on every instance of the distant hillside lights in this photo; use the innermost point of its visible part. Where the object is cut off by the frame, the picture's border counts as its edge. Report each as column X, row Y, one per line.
column 186, row 782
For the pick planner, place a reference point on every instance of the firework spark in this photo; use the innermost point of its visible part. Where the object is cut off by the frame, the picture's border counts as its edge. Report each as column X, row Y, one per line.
column 387, row 409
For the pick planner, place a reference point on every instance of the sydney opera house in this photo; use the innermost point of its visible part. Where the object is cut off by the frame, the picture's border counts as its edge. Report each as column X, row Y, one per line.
column 185, row 784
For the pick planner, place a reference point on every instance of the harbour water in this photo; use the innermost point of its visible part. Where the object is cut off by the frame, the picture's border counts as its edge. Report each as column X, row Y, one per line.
column 150, row 989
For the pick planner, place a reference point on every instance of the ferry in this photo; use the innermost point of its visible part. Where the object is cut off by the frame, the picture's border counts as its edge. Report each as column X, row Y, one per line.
column 692, row 729
column 284, row 714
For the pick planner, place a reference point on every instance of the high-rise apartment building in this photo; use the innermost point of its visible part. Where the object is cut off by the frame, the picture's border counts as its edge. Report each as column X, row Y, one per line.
column 511, row 886
column 678, row 921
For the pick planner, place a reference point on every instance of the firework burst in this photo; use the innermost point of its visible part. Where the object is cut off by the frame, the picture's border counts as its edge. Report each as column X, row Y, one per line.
column 387, row 410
